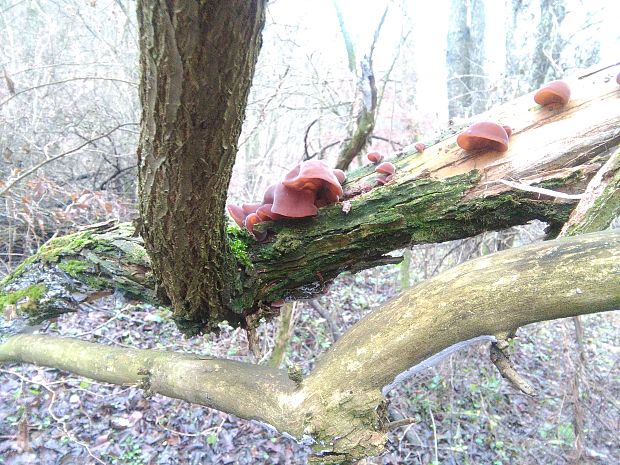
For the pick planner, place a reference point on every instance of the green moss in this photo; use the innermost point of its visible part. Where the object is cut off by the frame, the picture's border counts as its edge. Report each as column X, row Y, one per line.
column 73, row 267
column 97, row 283
column 238, row 242
column 137, row 254
column 17, row 272
column 572, row 178
column 33, row 293
column 70, row 244
column 286, row 243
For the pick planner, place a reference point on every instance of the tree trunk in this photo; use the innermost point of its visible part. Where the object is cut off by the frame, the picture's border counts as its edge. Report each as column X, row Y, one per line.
column 197, row 61
column 534, row 42
column 465, row 59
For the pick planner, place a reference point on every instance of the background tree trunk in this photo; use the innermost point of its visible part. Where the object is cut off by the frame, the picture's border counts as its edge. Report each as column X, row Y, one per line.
column 465, row 58
column 197, row 61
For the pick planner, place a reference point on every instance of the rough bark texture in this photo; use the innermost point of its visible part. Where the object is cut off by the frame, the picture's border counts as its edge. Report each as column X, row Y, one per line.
column 197, row 61
column 441, row 194
column 339, row 408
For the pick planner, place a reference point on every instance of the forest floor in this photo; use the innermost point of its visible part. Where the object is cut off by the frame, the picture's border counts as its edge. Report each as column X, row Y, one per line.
column 463, row 412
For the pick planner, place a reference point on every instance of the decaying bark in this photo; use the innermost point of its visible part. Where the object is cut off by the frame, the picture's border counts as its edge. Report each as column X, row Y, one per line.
column 197, row 62
column 600, row 203
column 339, row 408
column 441, row 194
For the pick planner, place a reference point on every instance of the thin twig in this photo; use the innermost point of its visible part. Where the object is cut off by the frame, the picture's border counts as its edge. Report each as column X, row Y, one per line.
column 540, row 190
column 398, row 423
column 37, row 167
column 48, row 84
column 430, row 412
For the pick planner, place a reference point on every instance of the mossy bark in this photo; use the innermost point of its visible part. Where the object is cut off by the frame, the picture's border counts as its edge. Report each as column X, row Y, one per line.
column 601, row 202
column 441, row 194
column 70, row 270
column 197, row 62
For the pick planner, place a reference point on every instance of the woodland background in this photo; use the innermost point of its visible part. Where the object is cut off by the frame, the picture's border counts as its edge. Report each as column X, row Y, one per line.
column 69, row 112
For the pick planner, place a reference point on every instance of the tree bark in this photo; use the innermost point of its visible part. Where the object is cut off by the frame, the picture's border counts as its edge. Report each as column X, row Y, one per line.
column 197, row 62
column 339, row 407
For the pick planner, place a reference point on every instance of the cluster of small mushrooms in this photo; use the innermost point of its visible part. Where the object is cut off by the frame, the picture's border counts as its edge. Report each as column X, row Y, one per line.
column 313, row 184
column 307, row 187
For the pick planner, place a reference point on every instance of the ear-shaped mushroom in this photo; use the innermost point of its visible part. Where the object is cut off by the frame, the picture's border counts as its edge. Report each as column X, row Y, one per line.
column 309, row 175
column 340, row 175
column 268, row 195
column 251, row 220
column 293, row 203
column 387, row 170
column 385, row 179
column 374, row 157
column 485, row 135
column 250, row 207
column 236, row 214
column 553, row 92
column 313, row 175
column 265, row 214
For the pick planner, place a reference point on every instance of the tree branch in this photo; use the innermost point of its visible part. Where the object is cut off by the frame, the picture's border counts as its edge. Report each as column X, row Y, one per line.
column 441, row 194
column 339, row 404
column 245, row 390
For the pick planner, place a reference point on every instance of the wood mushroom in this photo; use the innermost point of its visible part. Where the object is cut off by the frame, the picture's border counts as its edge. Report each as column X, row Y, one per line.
column 374, row 157
column 387, row 170
column 553, row 92
column 485, row 135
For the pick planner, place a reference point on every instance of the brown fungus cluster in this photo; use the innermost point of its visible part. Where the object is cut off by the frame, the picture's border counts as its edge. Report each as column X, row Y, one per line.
column 384, row 168
column 386, row 171
column 307, row 187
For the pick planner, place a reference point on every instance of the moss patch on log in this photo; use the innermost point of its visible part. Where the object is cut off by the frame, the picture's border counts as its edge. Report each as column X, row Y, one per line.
column 25, row 299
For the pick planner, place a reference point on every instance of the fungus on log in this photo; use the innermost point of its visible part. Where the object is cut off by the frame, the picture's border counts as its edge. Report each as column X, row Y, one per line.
column 442, row 194
column 553, row 92
column 485, row 135
column 375, row 157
